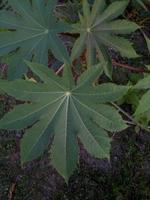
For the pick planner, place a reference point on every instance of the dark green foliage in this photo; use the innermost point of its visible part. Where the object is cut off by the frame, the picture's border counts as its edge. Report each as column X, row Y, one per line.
column 58, row 108
column 139, row 3
column 33, row 29
column 75, row 108
column 99, row 29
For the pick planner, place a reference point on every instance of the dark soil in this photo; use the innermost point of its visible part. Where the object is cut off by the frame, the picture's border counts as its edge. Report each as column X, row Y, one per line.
column 125, row 177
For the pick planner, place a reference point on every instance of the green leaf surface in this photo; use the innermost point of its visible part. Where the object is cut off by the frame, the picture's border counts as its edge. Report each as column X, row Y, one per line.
column 138, row 3
column 59, row 109
column 99, row 29
column 34, row 29
column 141, row 3
column 148, row 42
column 144, row 105
column 143, row 83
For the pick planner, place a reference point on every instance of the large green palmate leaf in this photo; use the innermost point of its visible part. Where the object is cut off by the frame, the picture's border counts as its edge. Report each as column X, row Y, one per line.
column 59, row 108
column 33, row 28
column 99, row 29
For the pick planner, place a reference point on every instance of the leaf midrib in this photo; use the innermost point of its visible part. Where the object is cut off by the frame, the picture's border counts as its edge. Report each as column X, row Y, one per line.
column 23, row 40
column 95, row 94
column 87, row 128
column 66, row 126
column 47, row 124
column 39, row 109
column 108, row 42
column 30, row 16
column 21, row 26
column 92, row 110
column 34, row 92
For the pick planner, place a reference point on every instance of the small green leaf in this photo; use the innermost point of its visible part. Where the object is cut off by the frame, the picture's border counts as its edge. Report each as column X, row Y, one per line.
column 148, row 42
column 78, row 47
column 143, row 84
column 112, row 11
column 144, row 104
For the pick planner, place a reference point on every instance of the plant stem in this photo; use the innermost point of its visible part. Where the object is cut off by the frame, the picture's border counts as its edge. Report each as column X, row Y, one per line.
column 59, row 70
column 129, row 122
column 139, row 70
column 125, row 66
column 133, row 121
